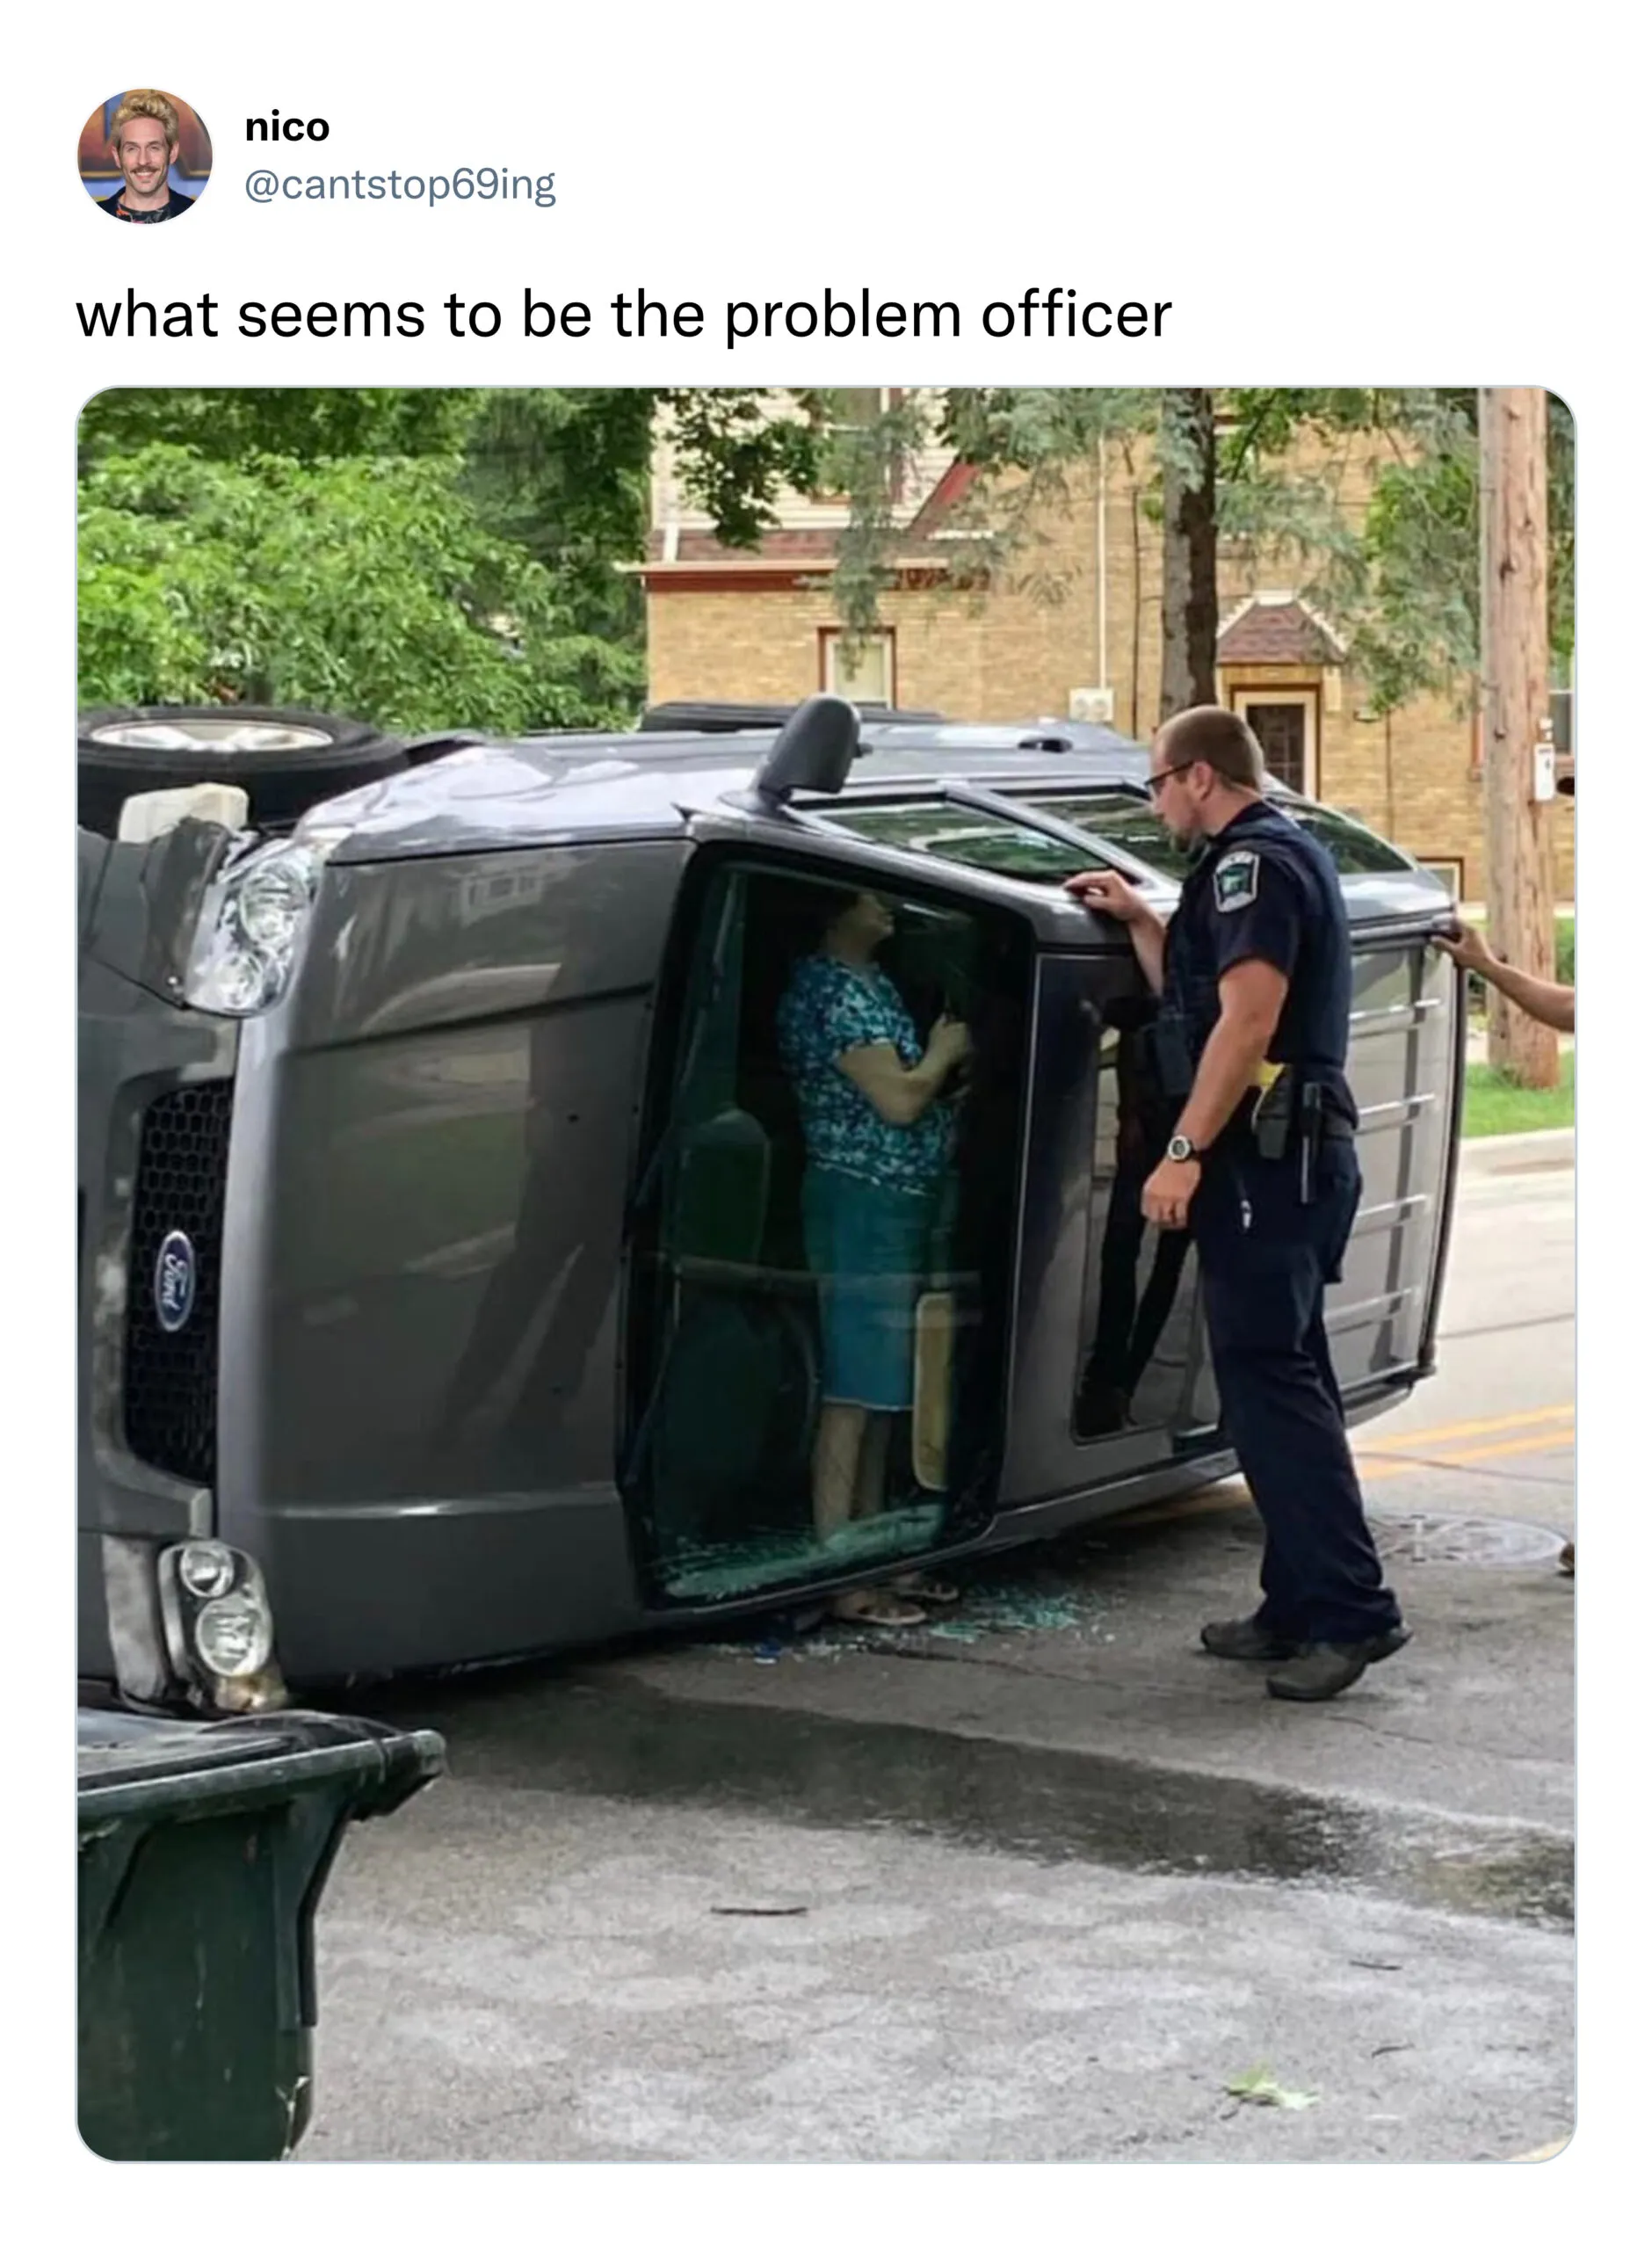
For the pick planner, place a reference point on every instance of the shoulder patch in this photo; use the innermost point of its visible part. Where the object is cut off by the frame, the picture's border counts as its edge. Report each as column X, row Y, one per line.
column 1236, row 877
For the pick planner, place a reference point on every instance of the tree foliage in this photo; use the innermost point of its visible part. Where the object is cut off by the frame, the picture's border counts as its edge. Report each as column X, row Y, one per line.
column 366, row 584
column 1413, row 598
column 425, row 558
column 444, row 557
column 1266, row 475
column 300, row 424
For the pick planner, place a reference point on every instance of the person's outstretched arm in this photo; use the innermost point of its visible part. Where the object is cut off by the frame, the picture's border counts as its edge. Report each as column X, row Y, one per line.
column 1553, row 1004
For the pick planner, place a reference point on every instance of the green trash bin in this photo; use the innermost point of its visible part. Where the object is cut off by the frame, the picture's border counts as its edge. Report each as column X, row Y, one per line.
column 204, row 1850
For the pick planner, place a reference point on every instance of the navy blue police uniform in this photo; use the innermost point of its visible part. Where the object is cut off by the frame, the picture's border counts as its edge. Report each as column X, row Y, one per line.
column 1273, row 1212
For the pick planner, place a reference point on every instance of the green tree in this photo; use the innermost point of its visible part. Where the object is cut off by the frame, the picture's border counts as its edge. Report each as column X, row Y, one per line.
column 366, row 584
column 302, row 425
column 426, row 558
column 1399, row 578
column 1412, row 593
column 559, row 480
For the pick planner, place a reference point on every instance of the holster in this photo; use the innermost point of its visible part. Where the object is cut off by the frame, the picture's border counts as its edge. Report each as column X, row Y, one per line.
column 1311, row 1113
column 1273, row 1115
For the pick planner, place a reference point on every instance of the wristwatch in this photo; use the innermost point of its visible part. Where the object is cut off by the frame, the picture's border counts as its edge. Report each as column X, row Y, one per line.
column 1180, row 1149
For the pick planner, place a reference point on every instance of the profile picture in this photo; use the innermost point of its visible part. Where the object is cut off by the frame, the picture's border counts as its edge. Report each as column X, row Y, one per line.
column 144, row 156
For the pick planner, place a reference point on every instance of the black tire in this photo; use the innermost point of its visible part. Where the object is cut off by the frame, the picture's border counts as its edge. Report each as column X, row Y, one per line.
column 282, row 780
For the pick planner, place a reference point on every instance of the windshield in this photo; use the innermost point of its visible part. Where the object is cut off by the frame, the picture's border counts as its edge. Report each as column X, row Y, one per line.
column 973, row 838
column 1123, row 819
column 1356, row 850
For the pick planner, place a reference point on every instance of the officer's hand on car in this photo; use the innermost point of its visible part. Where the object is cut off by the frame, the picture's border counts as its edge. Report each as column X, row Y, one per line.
column 1169, row 1190
column 1105, row 892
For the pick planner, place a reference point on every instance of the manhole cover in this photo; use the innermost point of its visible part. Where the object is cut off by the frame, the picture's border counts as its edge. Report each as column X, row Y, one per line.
column 1500, row 1545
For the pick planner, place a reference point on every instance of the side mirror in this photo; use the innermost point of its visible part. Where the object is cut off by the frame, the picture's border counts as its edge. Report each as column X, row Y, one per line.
column 814, row 750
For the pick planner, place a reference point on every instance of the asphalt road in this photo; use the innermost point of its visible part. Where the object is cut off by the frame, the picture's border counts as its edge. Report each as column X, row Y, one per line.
column 1042, row 1883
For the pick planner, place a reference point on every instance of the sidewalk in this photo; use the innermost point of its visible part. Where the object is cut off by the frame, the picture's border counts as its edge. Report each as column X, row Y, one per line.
column 1553, row 1150
column 1090, row 1650
column 1038, row 1880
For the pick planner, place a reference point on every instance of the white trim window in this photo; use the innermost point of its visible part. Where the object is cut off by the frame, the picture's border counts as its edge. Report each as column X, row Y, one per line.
column 864, row 673
column 1450, row 873
column 1286, row 746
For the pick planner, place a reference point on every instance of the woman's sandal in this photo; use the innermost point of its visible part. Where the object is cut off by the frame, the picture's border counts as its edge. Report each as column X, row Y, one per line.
column 940, row 1593
column 875, row 1605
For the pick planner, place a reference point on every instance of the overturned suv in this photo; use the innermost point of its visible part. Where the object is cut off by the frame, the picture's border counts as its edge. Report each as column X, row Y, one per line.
column 445, row 1285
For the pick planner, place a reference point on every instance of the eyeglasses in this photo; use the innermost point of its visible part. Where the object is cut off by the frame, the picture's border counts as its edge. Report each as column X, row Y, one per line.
column 1156, row 781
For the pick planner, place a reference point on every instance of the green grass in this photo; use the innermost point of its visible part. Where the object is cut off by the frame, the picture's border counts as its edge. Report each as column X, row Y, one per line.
column 1494, row 1103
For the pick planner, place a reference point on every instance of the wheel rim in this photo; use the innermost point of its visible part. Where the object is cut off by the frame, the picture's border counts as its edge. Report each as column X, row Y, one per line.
column 229, row 736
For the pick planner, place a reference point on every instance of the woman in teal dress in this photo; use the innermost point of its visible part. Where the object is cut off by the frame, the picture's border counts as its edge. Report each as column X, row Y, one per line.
column 878, row 1144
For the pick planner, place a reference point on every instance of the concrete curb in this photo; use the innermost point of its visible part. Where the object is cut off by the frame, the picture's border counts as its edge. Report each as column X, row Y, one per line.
column 1519, row 1151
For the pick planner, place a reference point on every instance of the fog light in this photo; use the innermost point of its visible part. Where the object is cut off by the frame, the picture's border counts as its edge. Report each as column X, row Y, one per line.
column 205, row 1569
column 233, row 1636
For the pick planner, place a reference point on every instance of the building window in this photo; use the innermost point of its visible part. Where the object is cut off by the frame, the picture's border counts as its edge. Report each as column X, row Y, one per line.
column 862, row 670
column 851, row 415
column 1450, row 873
column 856, row 409
column 1285, row 721
column 1560, row 719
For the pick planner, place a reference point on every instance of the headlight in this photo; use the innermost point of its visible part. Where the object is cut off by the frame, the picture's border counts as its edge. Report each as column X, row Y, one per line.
column 206, row 1569
column 251, row 927
column 233, row 1636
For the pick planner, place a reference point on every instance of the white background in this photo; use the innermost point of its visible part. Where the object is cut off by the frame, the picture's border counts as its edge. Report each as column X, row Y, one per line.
column 1407, row 194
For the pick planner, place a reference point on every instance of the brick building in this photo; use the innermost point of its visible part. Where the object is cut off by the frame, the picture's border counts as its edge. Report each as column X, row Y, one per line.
column 1070, row 628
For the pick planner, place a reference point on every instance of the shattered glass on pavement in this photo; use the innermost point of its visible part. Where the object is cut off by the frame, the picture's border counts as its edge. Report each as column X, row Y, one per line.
column 992, row 1601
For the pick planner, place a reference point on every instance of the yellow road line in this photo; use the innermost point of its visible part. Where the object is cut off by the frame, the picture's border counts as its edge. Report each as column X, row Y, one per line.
column 1213, row 1499
column 1373, row 1472
column 1412, row 1439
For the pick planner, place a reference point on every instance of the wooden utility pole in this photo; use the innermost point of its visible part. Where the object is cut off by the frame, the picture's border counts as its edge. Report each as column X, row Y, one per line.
column 1187, row 458
column 1514, row 705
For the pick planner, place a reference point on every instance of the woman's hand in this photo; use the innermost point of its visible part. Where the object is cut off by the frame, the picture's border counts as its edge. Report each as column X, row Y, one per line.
column 948, row 1043
column 1467, row 948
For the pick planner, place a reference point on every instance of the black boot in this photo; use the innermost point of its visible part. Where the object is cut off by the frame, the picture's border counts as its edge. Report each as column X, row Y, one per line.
column 1324, row 1668
column 1251, row 1642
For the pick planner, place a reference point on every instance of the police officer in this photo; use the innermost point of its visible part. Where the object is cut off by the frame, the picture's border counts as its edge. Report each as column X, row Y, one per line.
column 1255, row 974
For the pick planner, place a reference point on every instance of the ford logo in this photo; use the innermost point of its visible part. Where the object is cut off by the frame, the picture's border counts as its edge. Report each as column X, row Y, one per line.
column 175, row 1283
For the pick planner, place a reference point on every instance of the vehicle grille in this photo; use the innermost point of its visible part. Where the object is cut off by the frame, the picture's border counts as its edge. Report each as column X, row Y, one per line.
column 171, row 1380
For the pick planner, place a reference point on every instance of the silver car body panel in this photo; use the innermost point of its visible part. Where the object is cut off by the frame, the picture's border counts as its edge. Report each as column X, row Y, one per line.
column 427, row 1200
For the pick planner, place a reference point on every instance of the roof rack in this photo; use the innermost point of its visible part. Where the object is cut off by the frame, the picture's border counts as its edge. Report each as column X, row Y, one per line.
column 736, row 718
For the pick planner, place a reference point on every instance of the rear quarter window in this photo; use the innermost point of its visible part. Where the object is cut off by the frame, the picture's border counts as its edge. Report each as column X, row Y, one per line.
column 1356, row 850
column 1126, row 820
